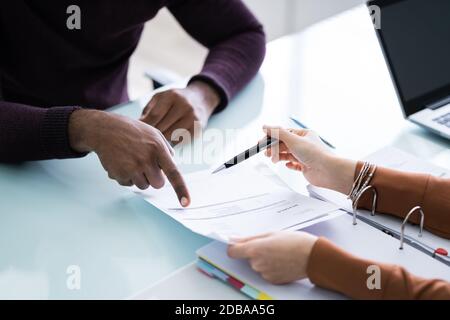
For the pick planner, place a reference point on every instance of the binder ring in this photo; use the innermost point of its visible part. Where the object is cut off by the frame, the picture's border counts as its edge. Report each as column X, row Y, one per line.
column 374, row 202
column 422, row 218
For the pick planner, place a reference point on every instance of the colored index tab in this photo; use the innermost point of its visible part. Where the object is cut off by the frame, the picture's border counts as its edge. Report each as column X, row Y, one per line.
column 441, row 252
column 263, row 296
column 219, row 274
column 212, row 270
column 235, row 283
column 205, row 268
column 252, row 293
column 205, row 273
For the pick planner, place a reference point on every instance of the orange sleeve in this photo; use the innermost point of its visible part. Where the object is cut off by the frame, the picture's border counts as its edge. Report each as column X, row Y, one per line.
column 332, row 268
column 399, row 192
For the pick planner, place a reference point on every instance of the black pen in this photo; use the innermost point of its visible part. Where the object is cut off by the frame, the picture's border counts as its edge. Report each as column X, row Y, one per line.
column 247, row 154
column 301, row 125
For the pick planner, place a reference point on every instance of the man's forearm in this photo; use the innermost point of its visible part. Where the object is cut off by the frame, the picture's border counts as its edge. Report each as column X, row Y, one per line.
column 234, row 37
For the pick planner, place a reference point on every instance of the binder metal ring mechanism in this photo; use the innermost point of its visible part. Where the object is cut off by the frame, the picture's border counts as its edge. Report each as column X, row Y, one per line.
column 374, row 202
column 402, row 230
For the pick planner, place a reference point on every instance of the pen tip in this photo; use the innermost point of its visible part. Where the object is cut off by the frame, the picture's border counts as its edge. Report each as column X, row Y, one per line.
column 218, row 170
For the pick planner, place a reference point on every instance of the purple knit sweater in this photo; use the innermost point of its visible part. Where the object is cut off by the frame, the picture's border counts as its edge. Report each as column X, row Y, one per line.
column 47, row 70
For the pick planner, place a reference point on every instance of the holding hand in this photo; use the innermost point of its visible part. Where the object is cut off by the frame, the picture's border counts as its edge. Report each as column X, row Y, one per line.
column 181, row 108
column 283, row 257
column 303, row 150
column 280, row 257
column 132, row 152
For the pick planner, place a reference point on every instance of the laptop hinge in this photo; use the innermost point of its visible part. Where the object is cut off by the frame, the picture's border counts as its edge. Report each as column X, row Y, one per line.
column 439, row 104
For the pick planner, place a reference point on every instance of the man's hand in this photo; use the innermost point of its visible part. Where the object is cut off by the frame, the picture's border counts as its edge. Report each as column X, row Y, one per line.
column 181, row 108
column 132, row 152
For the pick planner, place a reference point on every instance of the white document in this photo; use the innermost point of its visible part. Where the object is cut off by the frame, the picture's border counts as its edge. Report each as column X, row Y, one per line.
column 239, row 203
column 395, row 159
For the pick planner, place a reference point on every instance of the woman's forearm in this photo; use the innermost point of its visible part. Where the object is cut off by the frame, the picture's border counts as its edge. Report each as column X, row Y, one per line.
column 332, row 268
column 398, row 192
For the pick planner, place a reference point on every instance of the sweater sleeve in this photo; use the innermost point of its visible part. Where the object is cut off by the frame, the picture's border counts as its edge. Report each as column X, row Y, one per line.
column 332, row 268
column 399, row 192
column 32, row 133
column 234, row 37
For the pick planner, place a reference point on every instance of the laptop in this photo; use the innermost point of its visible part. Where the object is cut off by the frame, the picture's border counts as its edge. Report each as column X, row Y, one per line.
column 415, row 38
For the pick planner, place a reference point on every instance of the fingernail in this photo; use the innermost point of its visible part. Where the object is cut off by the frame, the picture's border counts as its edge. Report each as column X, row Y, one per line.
column 184, row 201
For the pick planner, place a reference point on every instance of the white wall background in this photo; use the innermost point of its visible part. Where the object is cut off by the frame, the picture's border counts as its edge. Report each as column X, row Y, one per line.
column 282, row 17
column 164, row 43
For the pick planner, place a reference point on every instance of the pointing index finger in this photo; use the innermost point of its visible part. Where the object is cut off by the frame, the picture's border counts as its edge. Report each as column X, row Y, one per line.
column 175, row 178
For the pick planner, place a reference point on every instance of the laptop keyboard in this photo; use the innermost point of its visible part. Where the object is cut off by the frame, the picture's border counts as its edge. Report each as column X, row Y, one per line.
column 444, row 120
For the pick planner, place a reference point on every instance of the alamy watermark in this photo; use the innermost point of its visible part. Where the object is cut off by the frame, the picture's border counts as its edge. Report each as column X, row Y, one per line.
column 374, row 280
column 206, row 146
column 375, row 13
column 73, row 281
column 73, row 21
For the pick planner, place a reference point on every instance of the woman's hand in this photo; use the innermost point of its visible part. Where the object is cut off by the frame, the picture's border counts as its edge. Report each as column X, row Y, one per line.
column 302, row 150
column 280, row 257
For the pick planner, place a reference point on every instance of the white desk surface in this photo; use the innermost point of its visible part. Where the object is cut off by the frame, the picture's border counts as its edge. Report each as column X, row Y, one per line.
column 59, row 213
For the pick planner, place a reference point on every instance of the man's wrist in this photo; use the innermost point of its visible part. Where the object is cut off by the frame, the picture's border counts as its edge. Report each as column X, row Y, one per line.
column 82, row 124
column 209, row 94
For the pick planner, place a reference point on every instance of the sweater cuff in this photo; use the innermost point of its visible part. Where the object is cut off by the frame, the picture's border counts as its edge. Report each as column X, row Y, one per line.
column 214, row 82
column 55, row 135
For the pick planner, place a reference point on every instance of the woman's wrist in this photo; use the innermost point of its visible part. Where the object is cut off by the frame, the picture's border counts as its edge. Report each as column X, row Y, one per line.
column 305, row 247
column 340, row 172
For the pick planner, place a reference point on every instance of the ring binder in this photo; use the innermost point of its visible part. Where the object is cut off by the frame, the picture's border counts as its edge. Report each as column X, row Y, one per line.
column 402, row 230
column 374, row 202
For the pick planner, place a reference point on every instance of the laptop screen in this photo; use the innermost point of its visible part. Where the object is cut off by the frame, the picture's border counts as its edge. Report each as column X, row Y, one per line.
column 415, row 36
